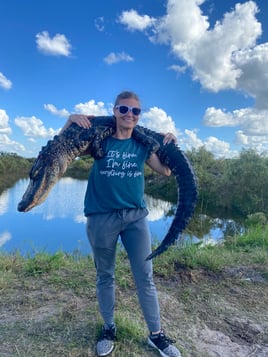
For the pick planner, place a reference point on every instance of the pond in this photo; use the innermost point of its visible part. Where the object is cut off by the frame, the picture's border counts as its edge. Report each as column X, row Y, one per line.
column 58, row 224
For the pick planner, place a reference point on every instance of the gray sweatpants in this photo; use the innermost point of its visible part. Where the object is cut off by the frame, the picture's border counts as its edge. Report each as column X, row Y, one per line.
column 103, row 231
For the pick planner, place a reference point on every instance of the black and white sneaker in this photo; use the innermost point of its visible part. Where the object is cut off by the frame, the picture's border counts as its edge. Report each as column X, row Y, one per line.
column 164, row 345
column 105, row 344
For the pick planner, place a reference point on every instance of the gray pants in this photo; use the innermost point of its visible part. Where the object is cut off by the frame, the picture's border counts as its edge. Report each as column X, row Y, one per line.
column 103, row 231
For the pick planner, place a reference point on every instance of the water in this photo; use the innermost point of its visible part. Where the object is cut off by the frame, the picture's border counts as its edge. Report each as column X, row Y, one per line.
column 59, row 223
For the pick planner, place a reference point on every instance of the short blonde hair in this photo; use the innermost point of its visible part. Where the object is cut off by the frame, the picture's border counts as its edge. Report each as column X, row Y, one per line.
column 126, row 95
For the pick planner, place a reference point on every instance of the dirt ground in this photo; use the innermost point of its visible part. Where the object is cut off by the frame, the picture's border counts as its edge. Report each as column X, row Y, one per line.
column 224, row 315
column 210, row 315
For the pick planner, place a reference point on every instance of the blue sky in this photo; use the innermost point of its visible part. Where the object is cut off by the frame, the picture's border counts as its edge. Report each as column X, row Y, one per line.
column 199, row 67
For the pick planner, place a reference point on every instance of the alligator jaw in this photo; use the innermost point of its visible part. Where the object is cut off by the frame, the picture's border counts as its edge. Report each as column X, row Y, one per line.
column 44, row 174
column 33, row 196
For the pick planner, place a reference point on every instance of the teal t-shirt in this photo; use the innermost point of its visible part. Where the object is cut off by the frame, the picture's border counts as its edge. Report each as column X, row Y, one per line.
column 116, row 181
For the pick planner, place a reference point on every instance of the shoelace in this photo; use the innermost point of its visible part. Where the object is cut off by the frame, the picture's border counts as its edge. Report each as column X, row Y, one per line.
column 165, row 338
column 108, row 334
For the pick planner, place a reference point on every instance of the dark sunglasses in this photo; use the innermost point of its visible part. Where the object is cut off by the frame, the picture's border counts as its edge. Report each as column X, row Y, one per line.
column 124, row 109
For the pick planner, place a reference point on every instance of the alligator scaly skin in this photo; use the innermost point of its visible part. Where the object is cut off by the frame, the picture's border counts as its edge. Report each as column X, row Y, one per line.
column 75, row 141
column 54, row 159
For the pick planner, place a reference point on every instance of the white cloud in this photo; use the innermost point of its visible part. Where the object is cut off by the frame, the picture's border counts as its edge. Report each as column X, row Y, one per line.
column 182, row 26
column 59, row 112
column 251, row 120
column 8, row 145
column 219, row 148
column 193, row 40
column 158, row 120
column 99, row 23
column 34, row 127
column 258, row 142
column 55, row 46
column 253, row 80
column 4, row 125
column 177, row 69
column 113, row 58
column 91, row 108
column 134, row 21
column 221, row 56
column 4, row 82
column 191, row 140
column 217, row 117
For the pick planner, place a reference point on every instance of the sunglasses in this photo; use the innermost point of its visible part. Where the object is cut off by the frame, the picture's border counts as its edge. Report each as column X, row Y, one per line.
column 124, row 109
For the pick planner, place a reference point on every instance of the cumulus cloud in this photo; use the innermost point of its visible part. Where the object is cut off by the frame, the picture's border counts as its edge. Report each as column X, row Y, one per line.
column 134, row 21
column 59, row 112
column 4, row 82
column 224, row 55
column 92, row 108
column 219, row 148
column 8, row 145
column 230, row 45
column 34, row 127
column 258, row 142
column 158, row 120
column 113, row 58
column 4, row 123
column 253, row 63
column 58, row 45
column 251, row 120
column 177, row 69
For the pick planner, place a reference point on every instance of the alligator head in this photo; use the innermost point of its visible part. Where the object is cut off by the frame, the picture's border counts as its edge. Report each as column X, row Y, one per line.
column 44, row 174
column 54, row 159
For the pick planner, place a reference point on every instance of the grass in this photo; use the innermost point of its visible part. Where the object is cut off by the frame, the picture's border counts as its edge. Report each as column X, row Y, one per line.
column 48, row 305
column 250, row 248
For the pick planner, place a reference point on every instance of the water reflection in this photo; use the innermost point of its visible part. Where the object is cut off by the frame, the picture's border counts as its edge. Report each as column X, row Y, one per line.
column 4, row 198
column 59, row 223
column 4, row 237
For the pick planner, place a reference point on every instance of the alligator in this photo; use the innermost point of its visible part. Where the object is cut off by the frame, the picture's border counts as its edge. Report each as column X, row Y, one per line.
column 54, row 159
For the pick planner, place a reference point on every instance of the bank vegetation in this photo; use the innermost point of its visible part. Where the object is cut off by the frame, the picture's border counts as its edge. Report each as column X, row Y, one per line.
column 233, row 187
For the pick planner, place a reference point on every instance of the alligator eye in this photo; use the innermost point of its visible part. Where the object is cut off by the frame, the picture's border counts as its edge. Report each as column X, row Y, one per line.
column 34, row 173
column 35, row 170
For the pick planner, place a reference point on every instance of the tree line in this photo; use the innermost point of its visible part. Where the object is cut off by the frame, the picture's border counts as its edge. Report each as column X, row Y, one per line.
column 12, row 168
column 235, row 187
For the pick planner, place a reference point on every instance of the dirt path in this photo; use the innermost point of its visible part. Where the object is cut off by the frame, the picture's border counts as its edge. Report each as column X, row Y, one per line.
column 210, row 315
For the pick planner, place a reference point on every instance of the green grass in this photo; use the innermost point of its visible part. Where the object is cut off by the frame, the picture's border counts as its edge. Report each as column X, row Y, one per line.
column 249, row 248
column 48, row 302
